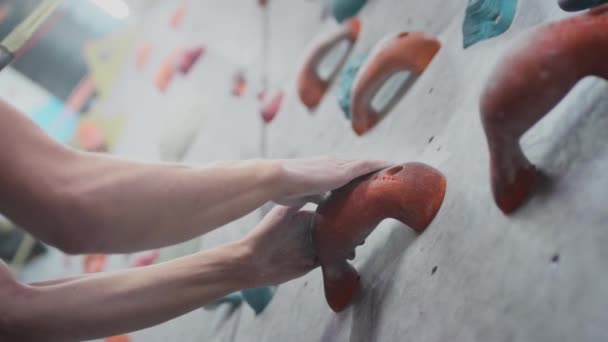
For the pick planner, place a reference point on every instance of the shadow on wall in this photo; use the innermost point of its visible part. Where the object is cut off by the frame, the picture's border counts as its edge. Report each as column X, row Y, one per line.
column 576, row 138
column 376, row 282
column 583, row 128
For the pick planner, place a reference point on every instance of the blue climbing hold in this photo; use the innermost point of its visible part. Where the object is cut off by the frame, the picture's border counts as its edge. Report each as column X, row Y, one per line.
column 486, row 19
column 346, row 81
column 344, row 9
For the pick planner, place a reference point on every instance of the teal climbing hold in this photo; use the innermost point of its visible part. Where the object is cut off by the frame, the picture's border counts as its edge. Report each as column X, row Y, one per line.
column 485, row 19
column 346, row 81
column 344, row 9
column 233, row 298
column 258, row 298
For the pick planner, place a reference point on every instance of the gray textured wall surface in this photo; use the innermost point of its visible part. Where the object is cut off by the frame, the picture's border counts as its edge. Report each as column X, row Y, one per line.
column 497, row 277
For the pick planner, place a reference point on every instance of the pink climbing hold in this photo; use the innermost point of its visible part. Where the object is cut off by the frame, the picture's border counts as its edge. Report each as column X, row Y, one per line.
column 147, row 259
column 271, row 105
column 189, row 58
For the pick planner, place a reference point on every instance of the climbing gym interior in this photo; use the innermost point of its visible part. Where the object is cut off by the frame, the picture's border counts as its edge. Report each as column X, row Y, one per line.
column 490, row 225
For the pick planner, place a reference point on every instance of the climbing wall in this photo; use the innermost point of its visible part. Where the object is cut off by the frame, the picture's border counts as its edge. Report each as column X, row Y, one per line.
column 540, row 274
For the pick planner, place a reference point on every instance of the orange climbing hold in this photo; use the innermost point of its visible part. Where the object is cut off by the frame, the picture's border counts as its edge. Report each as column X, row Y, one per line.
column 411, row 193
column 142, row 55
column 118, row 338
column 239, row 84
column 178, row 16
column 165, row 73
column 311, row 84
column 93, row 263
column 406, row 53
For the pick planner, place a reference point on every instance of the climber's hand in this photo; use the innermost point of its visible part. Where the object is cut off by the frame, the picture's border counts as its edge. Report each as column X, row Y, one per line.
column 281, row 247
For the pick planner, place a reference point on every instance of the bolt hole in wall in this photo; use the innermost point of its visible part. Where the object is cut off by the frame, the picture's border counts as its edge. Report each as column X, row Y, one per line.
column 431, row 139
column 555, row 258
column 434, row 270
column 328, row 65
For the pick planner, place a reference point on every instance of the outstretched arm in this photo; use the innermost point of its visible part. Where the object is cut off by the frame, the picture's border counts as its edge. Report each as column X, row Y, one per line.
column 84, row 203
column 106, row 304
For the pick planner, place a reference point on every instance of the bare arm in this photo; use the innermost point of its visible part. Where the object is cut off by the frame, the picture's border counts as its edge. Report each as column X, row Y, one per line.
column 106, row 304
column 86, row 203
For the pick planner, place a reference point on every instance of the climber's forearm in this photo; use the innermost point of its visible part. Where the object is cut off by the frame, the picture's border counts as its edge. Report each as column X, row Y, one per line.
column 107, row 304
